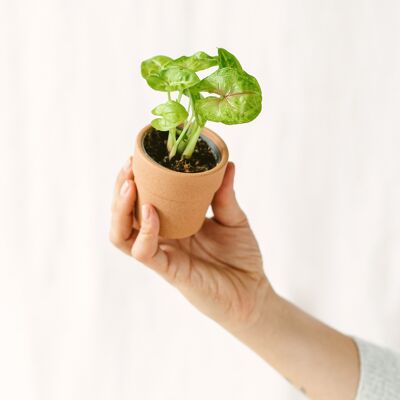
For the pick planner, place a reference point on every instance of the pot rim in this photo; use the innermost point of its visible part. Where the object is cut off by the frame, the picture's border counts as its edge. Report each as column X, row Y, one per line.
column 208, row 133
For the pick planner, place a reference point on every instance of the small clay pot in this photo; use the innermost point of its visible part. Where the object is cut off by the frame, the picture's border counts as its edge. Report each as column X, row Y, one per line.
column 181, row 199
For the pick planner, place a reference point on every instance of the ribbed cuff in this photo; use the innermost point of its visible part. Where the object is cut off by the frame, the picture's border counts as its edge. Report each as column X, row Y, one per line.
column 379, row 374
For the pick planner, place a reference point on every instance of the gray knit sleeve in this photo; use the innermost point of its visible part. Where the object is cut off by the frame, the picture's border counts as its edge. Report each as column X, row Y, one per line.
column 380, row 372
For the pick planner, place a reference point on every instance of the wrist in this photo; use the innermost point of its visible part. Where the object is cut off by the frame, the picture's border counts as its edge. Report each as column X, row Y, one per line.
column 263, row 316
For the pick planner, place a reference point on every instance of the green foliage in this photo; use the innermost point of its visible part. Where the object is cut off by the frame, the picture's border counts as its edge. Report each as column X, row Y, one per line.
column 196, row 62
column 172, row 114
column 172, row 78
column 154, row 65
column 238, row 100
column 235, row 95
column 226, row 59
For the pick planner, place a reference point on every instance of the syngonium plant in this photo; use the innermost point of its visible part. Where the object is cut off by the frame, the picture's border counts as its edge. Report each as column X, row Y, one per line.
column 228, row 95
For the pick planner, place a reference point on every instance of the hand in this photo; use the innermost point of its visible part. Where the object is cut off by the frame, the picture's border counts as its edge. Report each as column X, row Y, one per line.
column 219, row 269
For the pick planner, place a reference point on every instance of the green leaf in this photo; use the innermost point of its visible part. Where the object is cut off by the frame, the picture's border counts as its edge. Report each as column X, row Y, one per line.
column 238, row 101
column 172, row 114
column 154, row 65
column 173, row 78
column 226, row 59
column 197, row 61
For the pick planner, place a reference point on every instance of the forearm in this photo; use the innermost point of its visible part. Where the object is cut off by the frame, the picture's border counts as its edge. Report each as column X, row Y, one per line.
column 317, row 359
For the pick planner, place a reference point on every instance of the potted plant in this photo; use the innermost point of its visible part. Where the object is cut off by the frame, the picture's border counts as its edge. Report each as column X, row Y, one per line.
column 179, row 164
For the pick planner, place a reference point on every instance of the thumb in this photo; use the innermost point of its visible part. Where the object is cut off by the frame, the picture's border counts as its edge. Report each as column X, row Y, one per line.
column 225, row 206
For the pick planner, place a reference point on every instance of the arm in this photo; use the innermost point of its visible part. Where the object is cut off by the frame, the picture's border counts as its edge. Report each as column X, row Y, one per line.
column 219, row 270
column 320, row 361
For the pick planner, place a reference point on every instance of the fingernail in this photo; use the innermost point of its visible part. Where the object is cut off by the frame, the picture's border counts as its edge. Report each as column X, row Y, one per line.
column 127, row 165
column 145, row 211
column 124, row 188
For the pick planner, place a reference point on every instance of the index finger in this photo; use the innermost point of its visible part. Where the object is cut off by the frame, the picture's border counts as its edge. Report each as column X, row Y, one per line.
column 124, row 174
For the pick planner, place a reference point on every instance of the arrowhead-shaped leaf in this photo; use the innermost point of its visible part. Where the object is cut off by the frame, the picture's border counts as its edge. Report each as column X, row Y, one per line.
column 154, row 65
column 172, row 114
column 226, row 59
column 238, row 97
column 197, row 61
column 173, row 78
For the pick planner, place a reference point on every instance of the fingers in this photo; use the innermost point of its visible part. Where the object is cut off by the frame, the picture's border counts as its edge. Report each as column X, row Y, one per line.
column 143, row 244
column 225, row 206
column 146, row 248
column 125, row 173
column 121, row 231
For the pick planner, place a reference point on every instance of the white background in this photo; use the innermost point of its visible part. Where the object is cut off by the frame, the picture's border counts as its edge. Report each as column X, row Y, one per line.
column 318, row 175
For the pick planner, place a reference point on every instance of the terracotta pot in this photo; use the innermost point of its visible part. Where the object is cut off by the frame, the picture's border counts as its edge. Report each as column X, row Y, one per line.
column 181, row 199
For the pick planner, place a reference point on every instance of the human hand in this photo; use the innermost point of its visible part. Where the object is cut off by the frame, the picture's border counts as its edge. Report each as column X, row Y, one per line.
column 219, row 269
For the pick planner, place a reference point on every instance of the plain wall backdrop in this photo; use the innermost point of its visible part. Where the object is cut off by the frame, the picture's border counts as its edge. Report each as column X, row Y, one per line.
column 318, row 174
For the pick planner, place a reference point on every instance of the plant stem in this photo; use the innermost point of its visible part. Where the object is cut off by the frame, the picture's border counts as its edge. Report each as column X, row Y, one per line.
column 174, row 149
column 192, row 143
column 171, row 139
column 191, row 103
column 169, row 96
column 179, row 96
column 182, row 145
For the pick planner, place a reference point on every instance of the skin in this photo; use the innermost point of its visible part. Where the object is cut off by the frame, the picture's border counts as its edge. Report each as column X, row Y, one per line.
column 220, row 271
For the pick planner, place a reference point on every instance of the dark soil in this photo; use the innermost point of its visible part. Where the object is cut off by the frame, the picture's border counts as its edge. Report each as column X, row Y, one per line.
column 203, row 158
